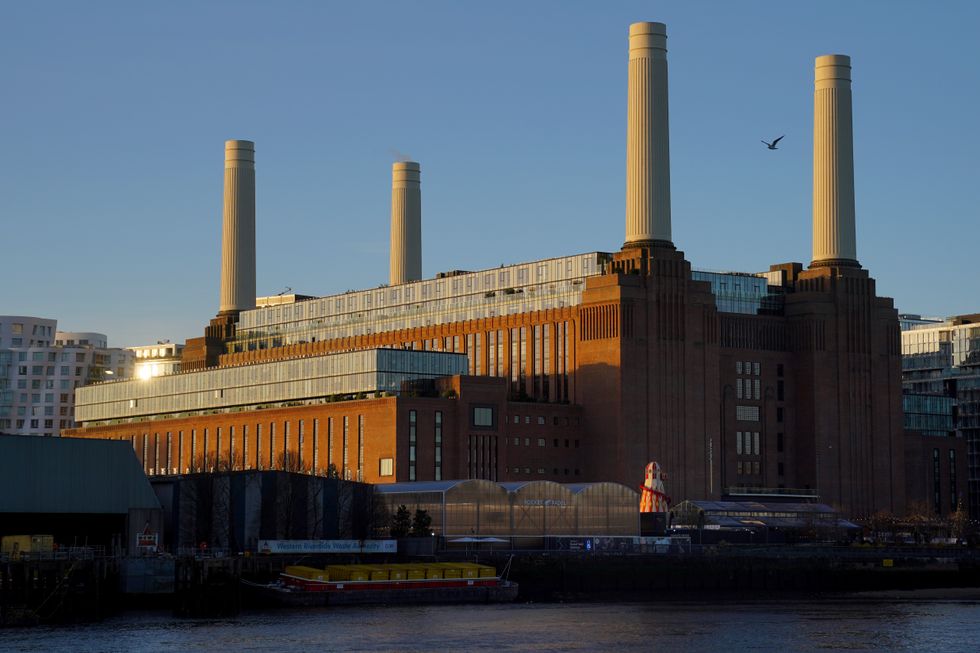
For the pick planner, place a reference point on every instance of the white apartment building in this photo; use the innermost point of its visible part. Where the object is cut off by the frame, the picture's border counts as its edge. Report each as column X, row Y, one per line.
column 160, row 359
column 40, row 367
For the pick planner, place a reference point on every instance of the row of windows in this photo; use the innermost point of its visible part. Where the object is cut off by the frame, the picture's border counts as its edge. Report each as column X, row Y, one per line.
column 64, row 370
column 64, row 384
column 267, row 452
column 751, row 390
column 747, row 468
column 748, row 368
column 34, row 424
column 540, row 420
column 542, row 470
column 751, row 443
column 542, row 442
column 53, row 357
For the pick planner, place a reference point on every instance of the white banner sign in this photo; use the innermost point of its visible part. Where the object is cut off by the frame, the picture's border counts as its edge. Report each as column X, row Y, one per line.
column 328, row 546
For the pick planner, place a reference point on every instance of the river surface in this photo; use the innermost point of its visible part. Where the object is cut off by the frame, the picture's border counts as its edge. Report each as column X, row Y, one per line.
column 784, row 626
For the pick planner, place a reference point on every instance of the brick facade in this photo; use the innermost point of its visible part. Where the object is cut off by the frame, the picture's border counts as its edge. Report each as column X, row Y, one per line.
column 645, row 368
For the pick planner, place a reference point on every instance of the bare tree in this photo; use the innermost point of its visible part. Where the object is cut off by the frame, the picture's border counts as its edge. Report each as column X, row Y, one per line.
column 959, row 522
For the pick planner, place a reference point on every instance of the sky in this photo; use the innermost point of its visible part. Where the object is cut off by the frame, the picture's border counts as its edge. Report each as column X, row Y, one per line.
column 113, row 117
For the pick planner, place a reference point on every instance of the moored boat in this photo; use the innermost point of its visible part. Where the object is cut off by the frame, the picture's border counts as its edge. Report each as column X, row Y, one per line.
column 388, row 584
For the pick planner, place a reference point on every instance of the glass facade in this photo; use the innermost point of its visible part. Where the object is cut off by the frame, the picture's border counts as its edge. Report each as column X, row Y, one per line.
column 532, row 509
column 740, row 292
column 929, row 414
column 943, row 360
column 300, row 379
column 508, row 290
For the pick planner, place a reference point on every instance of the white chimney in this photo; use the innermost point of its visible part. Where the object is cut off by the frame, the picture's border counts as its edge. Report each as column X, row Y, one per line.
column 647, row 138
column 238, row 229
column 406, row 222
column 834, row 241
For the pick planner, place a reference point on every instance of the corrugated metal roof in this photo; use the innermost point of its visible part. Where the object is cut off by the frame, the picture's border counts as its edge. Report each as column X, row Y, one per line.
column 71, row 475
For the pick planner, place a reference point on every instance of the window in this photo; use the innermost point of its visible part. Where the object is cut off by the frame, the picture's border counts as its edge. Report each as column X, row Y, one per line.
column 541, row 442
column 779, row 391
column 738, row 443
column 755, row 467
column 952, row 481
column 360, row 448
column 779, row 370
column 755, row 443
column 386, row 467
column 756, row 369
column 738, row 468
column 527, row 442
column 779, row 414
column 258, row 446
column 738, row 388
column 345, row 469
column 316, row 445
column 482, row 416
column 272, row 445
column 738, row 367
column 779, row 443
column 412, row 435
column 438, row 446
column 748, row 413
column 780, row 469
column 517, row 441
column 756, row 388
column 517, row 419
column 540, row 420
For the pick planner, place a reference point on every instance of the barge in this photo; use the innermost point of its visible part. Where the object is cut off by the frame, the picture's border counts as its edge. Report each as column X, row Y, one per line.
column 441, row 582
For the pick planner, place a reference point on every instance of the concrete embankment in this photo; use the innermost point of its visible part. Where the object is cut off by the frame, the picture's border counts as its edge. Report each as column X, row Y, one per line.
column 544, row 578
column 51, row 591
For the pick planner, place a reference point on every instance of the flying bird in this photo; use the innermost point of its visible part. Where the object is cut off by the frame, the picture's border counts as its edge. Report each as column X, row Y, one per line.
column 772, row 146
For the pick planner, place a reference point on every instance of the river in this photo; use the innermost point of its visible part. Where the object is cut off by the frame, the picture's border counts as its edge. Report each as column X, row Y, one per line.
column 789, row 626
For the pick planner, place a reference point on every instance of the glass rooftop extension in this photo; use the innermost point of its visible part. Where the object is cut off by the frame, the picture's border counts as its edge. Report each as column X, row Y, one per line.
column 455, row 297
column 461, row 296
column 304, row 379
column 741, row 292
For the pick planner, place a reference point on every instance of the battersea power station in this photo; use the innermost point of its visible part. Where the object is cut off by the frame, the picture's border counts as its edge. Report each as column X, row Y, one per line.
column 581, row 368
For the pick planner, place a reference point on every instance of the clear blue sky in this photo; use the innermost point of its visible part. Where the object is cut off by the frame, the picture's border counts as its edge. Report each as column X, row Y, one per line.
column 113, row 117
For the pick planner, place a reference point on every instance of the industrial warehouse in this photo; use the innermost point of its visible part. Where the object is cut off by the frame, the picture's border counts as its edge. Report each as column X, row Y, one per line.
column 576, row 369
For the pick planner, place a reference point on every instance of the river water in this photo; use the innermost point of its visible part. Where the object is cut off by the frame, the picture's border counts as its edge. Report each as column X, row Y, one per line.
column 785, row 626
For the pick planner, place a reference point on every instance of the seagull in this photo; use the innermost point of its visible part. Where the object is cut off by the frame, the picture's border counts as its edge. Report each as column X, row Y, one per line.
column 772, row 146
